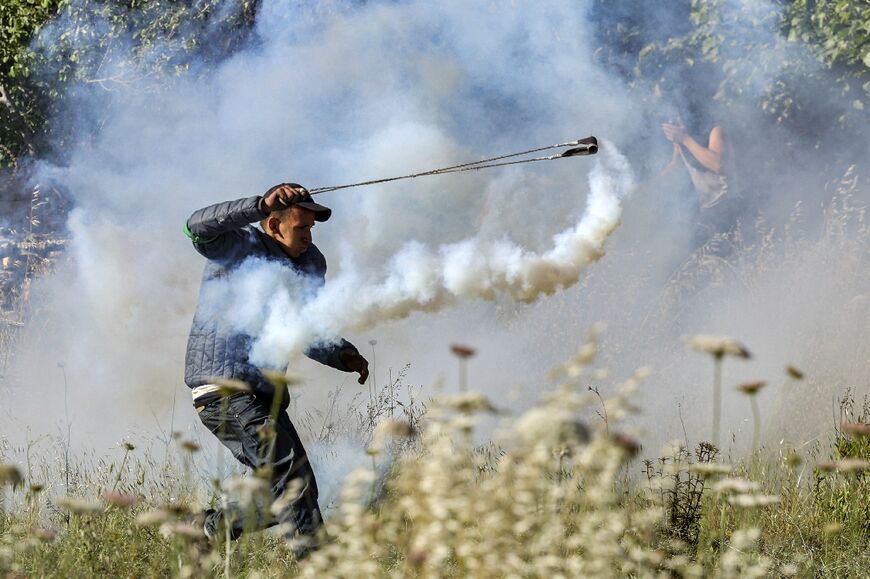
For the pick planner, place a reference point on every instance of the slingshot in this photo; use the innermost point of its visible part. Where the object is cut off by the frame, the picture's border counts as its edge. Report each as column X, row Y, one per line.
column 580, row 147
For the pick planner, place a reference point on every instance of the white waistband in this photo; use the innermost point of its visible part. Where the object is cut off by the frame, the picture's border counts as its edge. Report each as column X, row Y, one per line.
column 198, row 391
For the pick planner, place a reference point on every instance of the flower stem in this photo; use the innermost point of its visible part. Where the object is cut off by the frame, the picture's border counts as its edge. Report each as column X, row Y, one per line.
column 717, row 399
column 756, row 425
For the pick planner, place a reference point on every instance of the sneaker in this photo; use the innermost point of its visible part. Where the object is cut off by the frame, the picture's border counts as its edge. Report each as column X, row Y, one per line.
column 207, row 529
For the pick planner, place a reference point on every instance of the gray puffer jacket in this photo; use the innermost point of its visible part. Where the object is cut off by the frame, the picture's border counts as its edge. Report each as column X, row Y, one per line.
column 224, row 235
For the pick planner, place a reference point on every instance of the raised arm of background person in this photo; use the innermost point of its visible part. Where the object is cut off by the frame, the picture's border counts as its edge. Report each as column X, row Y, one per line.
column 711, row 155
column 674, row 162
column 215, row 230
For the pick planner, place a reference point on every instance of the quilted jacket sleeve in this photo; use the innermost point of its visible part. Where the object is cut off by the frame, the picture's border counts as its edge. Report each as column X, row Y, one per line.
column 330, row 354
column 216, row 230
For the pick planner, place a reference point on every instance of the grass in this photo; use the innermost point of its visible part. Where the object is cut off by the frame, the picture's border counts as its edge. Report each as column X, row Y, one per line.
column 547, row 498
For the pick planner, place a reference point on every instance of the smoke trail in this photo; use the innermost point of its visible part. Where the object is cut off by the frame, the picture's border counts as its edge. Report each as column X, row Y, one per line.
column 417, row 278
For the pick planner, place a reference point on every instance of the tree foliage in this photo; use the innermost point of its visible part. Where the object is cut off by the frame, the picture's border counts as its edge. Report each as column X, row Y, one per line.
column 53, row 48
column 22, row 108
column 802, row 62
column 837, row 30
column 778, row 55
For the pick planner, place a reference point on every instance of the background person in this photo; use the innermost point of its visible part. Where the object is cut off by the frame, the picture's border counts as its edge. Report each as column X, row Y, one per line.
column 711, row 169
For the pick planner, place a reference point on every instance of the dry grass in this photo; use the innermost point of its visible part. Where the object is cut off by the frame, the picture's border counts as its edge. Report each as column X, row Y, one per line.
column 549, row 497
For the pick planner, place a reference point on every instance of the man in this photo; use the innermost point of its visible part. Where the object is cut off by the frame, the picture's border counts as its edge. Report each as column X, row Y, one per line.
column 224, row 234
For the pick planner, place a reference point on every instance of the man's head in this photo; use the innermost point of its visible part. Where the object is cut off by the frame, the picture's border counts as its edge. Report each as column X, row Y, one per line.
column 291, row 214
column 291, row 229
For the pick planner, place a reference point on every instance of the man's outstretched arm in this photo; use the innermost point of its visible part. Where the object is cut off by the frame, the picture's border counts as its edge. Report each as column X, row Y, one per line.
column 342, row 356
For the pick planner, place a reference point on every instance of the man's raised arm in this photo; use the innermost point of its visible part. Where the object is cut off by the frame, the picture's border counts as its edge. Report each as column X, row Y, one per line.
column 212, row 228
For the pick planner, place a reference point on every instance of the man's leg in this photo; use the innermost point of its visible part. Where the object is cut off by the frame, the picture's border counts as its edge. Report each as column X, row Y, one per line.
column 293, row 481
column 244, row 428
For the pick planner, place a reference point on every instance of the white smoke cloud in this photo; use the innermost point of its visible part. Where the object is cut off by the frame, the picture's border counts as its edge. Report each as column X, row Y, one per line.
column 286, row 314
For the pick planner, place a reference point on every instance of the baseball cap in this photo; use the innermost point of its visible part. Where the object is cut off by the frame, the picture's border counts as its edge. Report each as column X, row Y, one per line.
column 321, row 212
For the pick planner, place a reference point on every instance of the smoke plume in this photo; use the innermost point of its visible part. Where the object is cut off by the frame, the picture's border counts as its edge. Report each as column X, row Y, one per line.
column 288, row 316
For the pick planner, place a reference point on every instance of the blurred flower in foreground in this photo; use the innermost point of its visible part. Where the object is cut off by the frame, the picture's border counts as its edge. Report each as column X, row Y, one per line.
column 718, row 346
column 845, row 465
column 120, row 499
column 228, row 386
column 9, row 475
column 745, row 539
column 395, row 429
column 855, row 428
column 43, row 534
column 751, row 388
column 266, row 431
column 390, row 429
column 190, row 446
column 153, row 517
column 469, row 403
column 461, row 351
column 748, row 501
column 735, row 485
column 707, row 469
column 247, row 486
column 625, row 443
column 281, row 379
column 78, row 506
column 183, row 530
column 552, row 426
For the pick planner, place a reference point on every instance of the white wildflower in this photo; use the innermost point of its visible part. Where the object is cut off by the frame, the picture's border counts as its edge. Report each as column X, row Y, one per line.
column 153, row 517
column 551, row 427
column 718, row 346
column 182, row 530
column 77, row 505
column 469, row 403
column 706, row 469
column 751, row 501
column 735, row 485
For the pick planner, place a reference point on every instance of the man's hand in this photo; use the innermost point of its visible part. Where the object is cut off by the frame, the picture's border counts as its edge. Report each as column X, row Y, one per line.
column 281, row 197
column 353, row 360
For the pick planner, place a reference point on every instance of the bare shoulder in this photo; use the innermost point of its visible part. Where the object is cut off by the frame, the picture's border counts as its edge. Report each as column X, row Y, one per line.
column 718, row 138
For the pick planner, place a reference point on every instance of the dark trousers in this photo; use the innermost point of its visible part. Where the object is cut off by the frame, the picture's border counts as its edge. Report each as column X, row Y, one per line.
column 243, row 424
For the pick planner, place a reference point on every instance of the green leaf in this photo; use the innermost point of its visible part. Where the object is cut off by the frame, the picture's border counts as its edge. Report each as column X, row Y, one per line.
column 648, row 49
